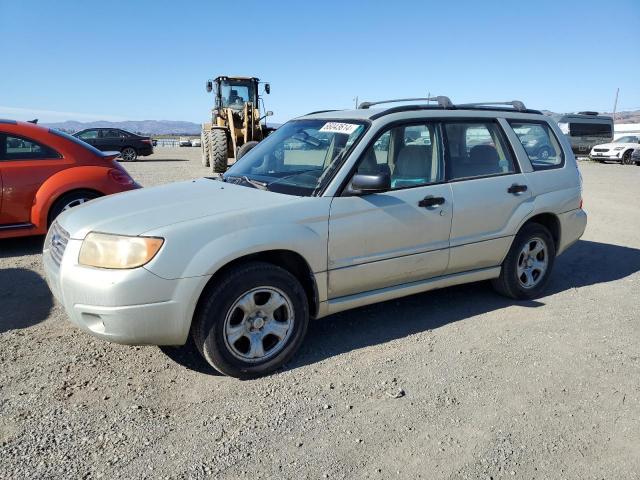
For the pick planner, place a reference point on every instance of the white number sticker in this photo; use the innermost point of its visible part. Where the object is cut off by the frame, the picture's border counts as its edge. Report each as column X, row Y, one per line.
column 336, row 127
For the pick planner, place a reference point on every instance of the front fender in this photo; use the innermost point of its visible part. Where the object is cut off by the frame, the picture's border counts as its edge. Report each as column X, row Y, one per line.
column 76, row 178
column 180, row 259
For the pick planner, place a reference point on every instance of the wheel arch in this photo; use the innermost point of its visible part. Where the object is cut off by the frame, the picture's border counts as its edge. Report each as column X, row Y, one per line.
column 291, row 261
column 548, row 220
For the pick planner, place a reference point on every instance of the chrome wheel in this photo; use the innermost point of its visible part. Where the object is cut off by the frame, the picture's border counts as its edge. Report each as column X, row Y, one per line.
column 533, row 261
column 75, row 203
column 258, row 324
column 129, row 154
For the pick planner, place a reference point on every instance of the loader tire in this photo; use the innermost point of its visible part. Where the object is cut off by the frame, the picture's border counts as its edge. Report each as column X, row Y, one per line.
column 218, row 151
column 204, row 145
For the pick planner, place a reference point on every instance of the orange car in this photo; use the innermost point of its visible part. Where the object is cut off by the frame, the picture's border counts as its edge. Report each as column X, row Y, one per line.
column 44, row 172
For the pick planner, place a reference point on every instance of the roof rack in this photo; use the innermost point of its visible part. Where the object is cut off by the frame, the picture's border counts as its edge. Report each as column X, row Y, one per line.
column 321, row 111
column 442, row 101
column 516, row 104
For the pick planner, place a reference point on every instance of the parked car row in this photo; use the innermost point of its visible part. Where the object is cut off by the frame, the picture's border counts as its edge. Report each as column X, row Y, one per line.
column 189, row 142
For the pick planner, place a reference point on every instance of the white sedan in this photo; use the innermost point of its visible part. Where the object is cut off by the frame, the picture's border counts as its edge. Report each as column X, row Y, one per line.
column 619, row 150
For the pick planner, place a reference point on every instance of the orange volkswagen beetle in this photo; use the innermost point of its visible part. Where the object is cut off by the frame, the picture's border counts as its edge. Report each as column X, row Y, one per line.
column 44, row 172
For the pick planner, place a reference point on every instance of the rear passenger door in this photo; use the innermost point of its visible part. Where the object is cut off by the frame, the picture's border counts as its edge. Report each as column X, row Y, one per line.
column 490, row 194
column 110, row 139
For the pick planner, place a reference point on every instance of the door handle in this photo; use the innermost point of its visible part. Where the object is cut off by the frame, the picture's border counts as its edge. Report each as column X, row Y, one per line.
column 516, row 189
column 431, row 201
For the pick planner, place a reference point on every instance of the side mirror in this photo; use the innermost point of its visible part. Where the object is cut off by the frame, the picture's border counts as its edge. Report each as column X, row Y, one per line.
column 267, row 88
column 209, row 86
column 269, row 113
column 380, row 182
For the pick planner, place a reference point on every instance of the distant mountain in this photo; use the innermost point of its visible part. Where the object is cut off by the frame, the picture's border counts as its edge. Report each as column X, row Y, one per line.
column 145, row 127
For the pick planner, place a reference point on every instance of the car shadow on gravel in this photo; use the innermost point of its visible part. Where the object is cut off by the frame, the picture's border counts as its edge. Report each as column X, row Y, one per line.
column 586, row 263
column 18, row 247
column 25, row 299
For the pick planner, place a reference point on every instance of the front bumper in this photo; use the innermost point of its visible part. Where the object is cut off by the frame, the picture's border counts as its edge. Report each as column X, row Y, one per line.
column 134, row 307
column 610, row 155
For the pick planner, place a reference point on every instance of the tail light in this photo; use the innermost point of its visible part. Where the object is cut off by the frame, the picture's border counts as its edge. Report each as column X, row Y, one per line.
column 120, row 177
column 147, row 140
column 580, row 202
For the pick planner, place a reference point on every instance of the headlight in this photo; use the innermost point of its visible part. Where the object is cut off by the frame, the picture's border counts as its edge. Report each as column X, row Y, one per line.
column 619, row 148
column 103, row 250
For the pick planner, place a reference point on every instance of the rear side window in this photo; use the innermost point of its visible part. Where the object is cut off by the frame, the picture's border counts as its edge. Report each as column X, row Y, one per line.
column 578, row 129
column 476, row 149
column 540, row 143
column 20, row 148
column 111, row 133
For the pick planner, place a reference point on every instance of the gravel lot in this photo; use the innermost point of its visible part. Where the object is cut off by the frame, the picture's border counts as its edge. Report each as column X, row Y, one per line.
column 457, row 383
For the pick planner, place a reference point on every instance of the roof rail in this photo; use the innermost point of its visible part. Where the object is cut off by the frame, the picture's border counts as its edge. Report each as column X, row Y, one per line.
column 516, row 104
column 321, row 111
column 443, row 101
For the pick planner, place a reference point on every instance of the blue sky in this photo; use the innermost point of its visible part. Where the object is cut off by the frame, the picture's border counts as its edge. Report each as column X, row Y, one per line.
column 89, row 60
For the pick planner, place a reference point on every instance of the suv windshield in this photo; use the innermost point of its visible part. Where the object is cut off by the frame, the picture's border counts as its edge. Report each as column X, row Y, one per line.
column 298, row 157
column 626, row 140
column 235, row 94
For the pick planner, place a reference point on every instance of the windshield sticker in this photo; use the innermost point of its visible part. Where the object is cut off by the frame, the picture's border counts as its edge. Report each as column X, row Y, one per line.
column 336, row 127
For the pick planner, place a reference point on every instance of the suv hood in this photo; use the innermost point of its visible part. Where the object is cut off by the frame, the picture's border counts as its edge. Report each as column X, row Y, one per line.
column 614, row 145
column 139, row 211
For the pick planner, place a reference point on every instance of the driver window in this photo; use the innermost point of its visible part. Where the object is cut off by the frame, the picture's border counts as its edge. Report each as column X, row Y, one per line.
column 409, row 153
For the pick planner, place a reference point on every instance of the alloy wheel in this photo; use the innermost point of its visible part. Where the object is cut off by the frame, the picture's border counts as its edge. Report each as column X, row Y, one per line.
column 533, row 261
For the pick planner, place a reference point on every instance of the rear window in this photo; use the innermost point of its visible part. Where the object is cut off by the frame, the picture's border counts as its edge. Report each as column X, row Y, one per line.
column 587, row 129
column 540, row 144
column 77, row 141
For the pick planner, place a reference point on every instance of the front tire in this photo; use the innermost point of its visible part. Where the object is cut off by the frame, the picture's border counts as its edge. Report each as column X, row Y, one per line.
column 626, row 158
column 251, row 321
column 129, row 154
column 218, row 151
column 70, row 200
column 527, row 268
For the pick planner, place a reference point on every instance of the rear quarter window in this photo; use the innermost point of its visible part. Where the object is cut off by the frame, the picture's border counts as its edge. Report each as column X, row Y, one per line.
column 540, row 144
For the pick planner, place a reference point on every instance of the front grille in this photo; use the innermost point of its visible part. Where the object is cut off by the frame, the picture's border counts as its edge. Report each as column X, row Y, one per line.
column 600, row 149
column 58, row 239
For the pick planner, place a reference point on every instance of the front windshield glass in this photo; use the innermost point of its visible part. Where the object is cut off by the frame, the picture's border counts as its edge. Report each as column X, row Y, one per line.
column 298, row 157
column 626, row 140
column 235, row 94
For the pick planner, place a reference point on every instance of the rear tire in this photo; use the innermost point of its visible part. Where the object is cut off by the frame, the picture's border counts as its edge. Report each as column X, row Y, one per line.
column 245, row 148
column 70, row 200
column 527, row 268
column 204, row 147
column 251, row 321
column 218, row 151
column 129, row 154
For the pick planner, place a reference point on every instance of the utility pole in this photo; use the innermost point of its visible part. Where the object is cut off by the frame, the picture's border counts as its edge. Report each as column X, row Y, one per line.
column 356, row 100
column 428, row 96
column 615, row 105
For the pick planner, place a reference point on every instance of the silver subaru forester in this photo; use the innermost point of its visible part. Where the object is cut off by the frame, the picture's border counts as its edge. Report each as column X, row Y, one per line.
column 334, row 210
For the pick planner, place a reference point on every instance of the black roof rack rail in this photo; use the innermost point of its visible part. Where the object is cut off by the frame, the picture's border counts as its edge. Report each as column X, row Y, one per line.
column 442, row 101
column 516, row 104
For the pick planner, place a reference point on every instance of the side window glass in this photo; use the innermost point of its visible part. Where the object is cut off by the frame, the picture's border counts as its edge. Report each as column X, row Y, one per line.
column 23, row 149
column 111, row 134
column 477, row 149
column 540, row 143
column 89, row 134
column 408, row 153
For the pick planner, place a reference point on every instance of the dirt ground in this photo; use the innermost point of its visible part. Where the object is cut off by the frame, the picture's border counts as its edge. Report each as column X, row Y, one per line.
column 456, row 383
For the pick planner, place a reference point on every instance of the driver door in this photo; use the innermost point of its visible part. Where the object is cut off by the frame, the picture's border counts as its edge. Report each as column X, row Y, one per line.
column 386, row 239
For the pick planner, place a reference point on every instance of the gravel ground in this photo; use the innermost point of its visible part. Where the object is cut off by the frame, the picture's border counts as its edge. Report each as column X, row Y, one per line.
column 456, row 383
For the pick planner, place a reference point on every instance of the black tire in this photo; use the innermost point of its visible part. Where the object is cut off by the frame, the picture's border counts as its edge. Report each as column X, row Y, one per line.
column 218, row 151
column 508, row 283
column 129, row 154
column 204, row 147
column 217, row 306
column 626, row 158
column 69, row 200
column 245, row 148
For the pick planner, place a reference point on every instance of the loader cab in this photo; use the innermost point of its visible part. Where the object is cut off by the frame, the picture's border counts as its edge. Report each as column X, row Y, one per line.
column 235, row 92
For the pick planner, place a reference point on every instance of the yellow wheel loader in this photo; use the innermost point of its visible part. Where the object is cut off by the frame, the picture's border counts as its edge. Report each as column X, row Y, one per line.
column 235, row 126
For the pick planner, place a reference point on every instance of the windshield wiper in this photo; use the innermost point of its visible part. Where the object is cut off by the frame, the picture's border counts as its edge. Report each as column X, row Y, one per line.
column 255, row 183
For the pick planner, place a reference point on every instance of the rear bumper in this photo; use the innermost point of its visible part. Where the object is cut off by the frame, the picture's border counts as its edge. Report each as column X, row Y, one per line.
column 133, row 307
column 145, row 150
column 572, row 226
